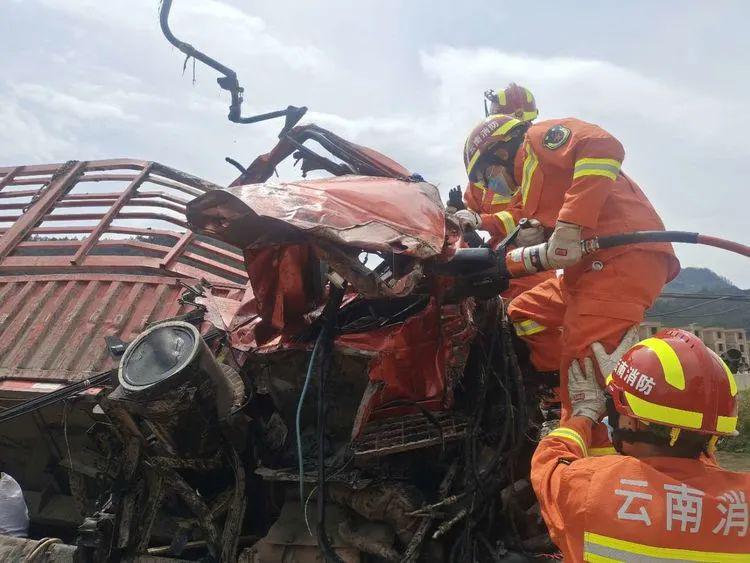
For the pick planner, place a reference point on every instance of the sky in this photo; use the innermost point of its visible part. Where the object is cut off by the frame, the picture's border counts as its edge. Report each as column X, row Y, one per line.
column 90, row 79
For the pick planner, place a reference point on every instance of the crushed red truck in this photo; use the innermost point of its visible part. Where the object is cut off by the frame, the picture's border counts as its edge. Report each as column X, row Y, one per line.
column 115, row 460
column 308, row 370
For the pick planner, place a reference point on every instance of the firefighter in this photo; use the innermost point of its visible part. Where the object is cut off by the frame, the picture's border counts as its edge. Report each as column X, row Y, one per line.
column 569, row 179
column 668, row 399
column 486, row 203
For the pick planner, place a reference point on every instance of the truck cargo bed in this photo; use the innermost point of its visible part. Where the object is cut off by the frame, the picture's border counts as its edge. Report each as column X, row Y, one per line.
column 90, row 249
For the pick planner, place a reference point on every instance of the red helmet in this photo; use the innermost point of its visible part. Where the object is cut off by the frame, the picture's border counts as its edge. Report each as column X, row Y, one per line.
column 674, row 380
column 491, row 131
column 513, row 100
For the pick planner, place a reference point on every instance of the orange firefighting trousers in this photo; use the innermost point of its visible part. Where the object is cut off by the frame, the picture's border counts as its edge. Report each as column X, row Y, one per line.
column 595, row 301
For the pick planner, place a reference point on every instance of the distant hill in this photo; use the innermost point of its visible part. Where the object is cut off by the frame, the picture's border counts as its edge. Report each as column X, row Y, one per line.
column 730, row 314
column 699, row 280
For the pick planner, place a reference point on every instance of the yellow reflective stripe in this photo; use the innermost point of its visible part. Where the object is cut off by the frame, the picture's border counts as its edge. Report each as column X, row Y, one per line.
column 499, row 199
column 594, row 172
column 472, row 162
column 569, row 434
column 608, row 167
column 594, row 558
column 608, row 380
column 598, row 161
column 529, row 167
column 501, row 99
column 507, row 220
column 528, row 327
column 529, row 97
column 730, row 377
column 529, row 115
column 670, row 363
column 665, row 415
column 726, row 424
column 627, row 549
column 594, row 452
column 505, row 127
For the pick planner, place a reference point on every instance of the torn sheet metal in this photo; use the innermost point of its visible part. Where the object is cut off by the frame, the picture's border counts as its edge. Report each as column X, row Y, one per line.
column 367, row 213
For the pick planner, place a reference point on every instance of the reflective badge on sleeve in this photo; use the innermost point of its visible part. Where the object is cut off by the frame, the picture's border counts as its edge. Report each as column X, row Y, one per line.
column 556, row 137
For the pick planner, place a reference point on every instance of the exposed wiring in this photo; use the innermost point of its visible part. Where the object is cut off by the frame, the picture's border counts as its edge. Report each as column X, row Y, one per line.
column 65, row 434
column 499, row 381
column 315, row 488
column 709, row 314
column 325, row 340
column 703, row 296
column 688, row 308
column 298, row 417
column 326, row 337
column 54, row 396
column 42, row 548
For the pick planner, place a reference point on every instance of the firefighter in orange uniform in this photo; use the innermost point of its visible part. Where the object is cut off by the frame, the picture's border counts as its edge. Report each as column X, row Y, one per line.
column 569, row 179
column 668, row 399
column 486, row 204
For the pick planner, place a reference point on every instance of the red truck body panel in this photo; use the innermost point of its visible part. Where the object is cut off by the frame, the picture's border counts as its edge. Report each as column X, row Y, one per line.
column 90, row 249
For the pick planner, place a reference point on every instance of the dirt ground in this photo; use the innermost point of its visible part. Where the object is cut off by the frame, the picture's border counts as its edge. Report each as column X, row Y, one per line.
column 734, row 461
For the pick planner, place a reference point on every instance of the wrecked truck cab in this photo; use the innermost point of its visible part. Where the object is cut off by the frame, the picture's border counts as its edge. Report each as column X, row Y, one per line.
column 429, row 417
column 401, row 220
column 376, row 214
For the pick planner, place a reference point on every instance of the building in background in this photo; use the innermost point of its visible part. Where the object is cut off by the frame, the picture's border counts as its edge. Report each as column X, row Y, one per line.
column 721, row 340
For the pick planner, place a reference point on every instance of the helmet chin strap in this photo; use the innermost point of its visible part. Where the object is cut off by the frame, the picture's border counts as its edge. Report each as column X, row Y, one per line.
column 512, row 146
column 620, row 435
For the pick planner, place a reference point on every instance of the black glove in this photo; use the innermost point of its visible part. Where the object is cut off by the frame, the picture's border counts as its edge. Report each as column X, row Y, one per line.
column 456, row 199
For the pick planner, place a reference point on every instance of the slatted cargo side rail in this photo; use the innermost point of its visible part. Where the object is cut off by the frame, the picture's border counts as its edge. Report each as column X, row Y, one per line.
column 90, row 249
column 97, row 215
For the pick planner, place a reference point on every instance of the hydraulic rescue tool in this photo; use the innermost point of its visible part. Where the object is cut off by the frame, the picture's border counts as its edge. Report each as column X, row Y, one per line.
column 484, row 272
column 523, row 261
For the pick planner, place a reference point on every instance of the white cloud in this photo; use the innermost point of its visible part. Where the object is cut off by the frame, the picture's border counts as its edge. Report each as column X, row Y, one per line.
column 219, row 29
column 70, row 106
column 248, row 35
column 222, row 11
column 24, row 138
column 593, row 89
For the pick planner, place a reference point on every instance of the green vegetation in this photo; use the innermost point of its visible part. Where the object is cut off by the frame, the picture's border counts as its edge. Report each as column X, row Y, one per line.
column 741, row 443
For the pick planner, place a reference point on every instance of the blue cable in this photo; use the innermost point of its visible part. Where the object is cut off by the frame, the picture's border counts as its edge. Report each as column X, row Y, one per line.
column 299, row 416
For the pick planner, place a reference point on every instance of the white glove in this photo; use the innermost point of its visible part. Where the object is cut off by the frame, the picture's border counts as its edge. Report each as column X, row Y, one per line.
column 607, row 362
column 469, row 220
column 586, row 397
column 564, row 246
column 531, row 234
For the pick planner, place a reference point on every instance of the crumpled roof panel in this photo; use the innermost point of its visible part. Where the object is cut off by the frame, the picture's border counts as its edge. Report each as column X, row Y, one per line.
column 371, row 213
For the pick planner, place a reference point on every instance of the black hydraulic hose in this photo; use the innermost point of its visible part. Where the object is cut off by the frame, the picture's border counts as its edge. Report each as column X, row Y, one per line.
column 647, row 236
column 529, row 260
column 639, row 237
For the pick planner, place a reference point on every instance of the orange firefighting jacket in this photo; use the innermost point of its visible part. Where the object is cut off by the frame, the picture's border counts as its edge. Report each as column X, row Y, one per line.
column 491, row 207
column 569, row 170
column 620, row 508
